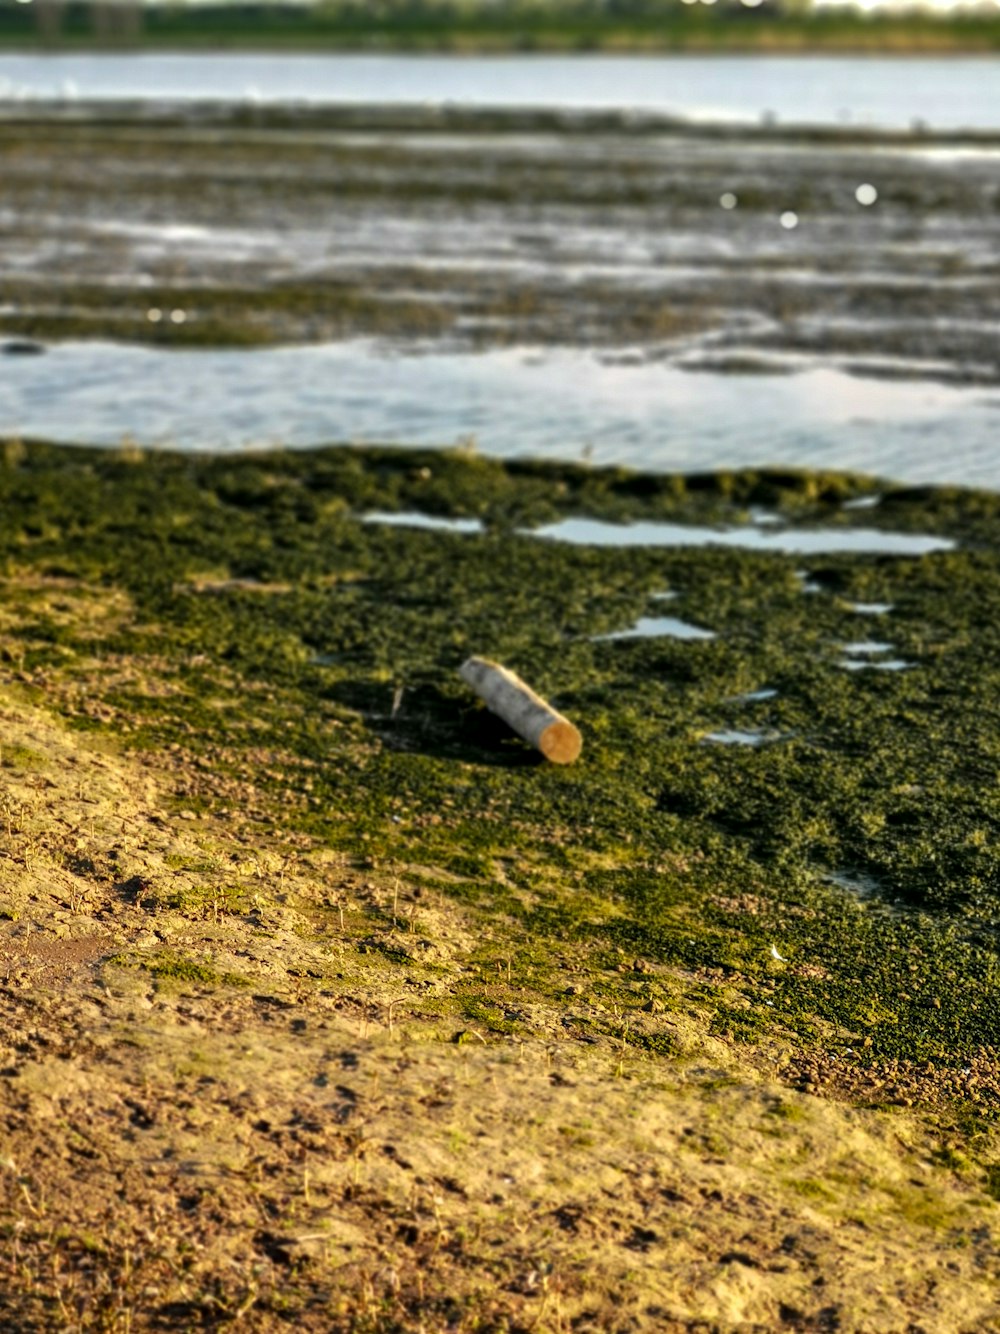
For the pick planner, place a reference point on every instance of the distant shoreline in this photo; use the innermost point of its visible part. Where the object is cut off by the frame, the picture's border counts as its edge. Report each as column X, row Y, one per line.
column 264, row 47
column 696, row 32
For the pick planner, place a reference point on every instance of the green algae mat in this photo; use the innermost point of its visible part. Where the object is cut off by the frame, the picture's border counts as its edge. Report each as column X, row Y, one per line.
column 245, row 790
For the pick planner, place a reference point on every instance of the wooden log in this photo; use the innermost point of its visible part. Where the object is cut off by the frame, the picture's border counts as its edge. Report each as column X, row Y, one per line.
column 525, row 712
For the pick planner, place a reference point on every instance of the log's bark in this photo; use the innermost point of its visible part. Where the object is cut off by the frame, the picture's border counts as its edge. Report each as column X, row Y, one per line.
column 524, row 711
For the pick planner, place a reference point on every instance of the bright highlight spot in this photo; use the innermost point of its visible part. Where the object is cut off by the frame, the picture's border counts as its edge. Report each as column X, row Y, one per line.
column 153, row 315
column 789, row 220
column 178, row 316
column 866, row 194
column 728, row 200
column 751, row 4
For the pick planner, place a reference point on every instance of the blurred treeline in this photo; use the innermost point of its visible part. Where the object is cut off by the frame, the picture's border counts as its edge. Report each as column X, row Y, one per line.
column 580, row 25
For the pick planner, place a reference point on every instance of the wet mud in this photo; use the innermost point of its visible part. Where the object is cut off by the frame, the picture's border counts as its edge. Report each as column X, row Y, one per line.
column 730, row 248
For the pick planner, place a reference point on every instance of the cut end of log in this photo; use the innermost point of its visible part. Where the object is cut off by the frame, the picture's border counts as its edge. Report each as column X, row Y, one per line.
column 561, row 743
column 527, row 713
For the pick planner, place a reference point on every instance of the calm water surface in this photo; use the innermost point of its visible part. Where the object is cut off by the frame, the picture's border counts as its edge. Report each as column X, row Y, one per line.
column 555, row 403
column 939, row 92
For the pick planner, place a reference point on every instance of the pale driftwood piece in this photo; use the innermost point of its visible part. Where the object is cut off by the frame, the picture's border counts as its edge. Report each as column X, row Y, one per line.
column 527, row 713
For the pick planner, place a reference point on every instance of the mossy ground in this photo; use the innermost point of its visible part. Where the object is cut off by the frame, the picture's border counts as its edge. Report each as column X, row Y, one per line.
column 316, row 831
column 314, row 655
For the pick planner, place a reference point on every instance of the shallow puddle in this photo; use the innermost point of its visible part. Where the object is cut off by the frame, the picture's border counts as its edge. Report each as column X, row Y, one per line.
column 432, row 522
column 734, row 736
column 652, row 626
column 787, row 541
column 866, row 648
column 880, row 665
column 866, row 654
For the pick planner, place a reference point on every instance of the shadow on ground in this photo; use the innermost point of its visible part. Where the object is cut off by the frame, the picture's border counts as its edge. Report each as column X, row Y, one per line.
column 428, row 721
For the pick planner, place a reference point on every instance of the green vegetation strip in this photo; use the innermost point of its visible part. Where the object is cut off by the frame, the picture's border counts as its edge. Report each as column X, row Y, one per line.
column 315, row 655
column 559, row 25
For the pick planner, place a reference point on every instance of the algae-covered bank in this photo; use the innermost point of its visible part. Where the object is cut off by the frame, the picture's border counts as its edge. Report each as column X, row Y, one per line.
column 328, row 1005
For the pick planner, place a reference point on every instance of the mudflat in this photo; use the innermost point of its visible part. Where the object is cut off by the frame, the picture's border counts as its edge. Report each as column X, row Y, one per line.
column 718, row 247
